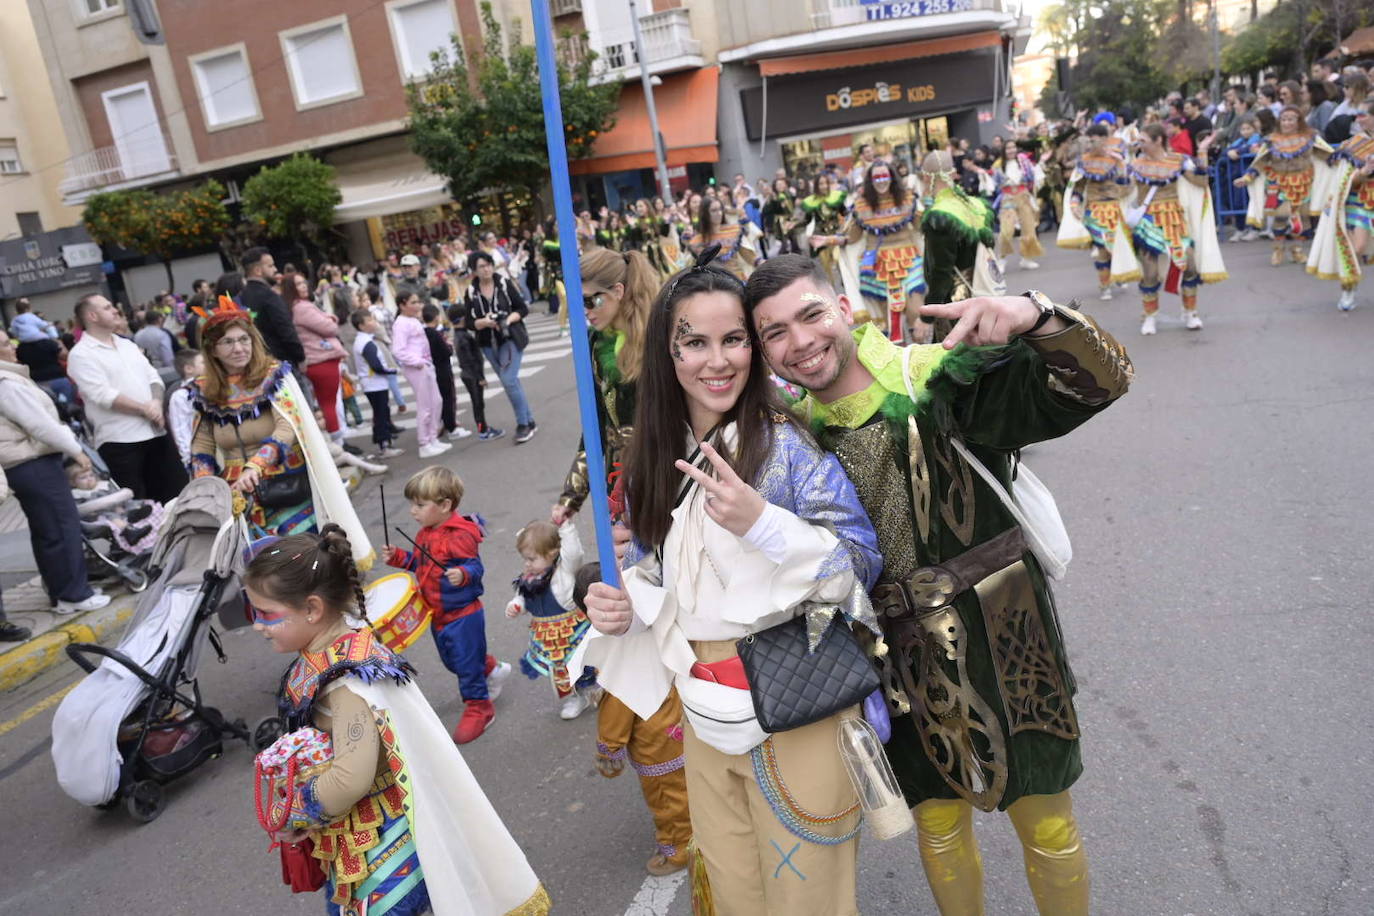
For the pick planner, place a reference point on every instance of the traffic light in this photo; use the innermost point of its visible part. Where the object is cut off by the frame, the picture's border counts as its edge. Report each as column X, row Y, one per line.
column 477, row 219
column 711, row 181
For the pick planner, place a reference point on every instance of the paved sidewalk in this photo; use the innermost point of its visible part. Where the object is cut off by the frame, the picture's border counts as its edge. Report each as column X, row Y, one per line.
column 28, row 605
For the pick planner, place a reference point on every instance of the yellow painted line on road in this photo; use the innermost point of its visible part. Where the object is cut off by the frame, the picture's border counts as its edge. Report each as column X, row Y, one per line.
column 36, row 708
column 22, row 664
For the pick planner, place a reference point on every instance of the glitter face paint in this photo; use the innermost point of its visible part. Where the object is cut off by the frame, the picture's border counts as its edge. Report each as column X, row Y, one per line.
column 818, row 299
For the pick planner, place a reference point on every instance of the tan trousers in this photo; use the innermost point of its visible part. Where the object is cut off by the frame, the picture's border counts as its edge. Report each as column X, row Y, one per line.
column 1019, row 208
column 756, row 867
column 653, row 746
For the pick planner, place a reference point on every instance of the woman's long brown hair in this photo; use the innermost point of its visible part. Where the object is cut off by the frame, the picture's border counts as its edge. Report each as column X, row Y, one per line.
column 662, row 425
column 894, row 186
column 215, row 383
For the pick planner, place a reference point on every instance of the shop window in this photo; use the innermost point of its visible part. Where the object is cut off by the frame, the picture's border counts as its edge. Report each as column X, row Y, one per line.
column 419, row 28
column 224, row 83
column 320, row 59
column 9, row 158
column 29, row 223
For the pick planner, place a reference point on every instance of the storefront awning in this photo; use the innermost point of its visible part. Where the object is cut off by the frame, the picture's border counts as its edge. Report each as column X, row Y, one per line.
column 686, row 105
column 862, row 57
column 386, row 185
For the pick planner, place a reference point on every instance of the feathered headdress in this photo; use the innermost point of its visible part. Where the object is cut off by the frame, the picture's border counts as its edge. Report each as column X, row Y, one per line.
column 226, row 310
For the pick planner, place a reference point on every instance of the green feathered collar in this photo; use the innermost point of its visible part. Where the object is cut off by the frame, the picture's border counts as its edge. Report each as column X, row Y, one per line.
column 606, row 346
column 957, row 213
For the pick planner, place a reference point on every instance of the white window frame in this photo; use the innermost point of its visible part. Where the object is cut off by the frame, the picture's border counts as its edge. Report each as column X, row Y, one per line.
column 291, row 61
column 204, row 94
column 8, row 144
column 84, row 16
column 398, row 46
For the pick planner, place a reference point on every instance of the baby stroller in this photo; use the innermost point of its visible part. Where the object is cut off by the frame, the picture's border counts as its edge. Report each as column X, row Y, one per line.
column 137, row 721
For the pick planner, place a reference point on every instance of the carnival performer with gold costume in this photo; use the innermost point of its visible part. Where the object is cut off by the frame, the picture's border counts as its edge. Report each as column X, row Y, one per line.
column 824, row 210
column 381, row 810
column 1173, row 219
column 1285, row 177
column 1019, row 178
column 620, row 291
column 1347, row 223
column 1093, row 213
column 972, row 658
column 737, row 236
column 884, row 230
column 253, row 428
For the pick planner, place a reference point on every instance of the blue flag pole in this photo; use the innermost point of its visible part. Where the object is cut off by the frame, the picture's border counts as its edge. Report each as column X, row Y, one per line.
column 572, row 281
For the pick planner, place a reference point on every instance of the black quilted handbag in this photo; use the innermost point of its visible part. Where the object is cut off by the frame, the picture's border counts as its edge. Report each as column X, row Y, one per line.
column 791, row 687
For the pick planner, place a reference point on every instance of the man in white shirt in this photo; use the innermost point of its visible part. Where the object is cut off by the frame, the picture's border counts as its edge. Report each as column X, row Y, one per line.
column 123, row 397
column 859, row 172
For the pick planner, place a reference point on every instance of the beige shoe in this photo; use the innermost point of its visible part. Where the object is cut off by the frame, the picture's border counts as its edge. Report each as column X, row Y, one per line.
column 660, row 865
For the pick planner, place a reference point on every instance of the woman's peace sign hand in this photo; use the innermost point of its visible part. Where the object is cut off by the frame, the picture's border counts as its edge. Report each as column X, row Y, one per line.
column 730, row 502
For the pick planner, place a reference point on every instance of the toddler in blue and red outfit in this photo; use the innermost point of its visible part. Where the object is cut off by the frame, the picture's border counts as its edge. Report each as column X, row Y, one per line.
column 449, row 572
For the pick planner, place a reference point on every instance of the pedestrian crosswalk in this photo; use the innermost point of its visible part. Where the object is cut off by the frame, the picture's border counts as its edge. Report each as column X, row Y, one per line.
column 548, row 342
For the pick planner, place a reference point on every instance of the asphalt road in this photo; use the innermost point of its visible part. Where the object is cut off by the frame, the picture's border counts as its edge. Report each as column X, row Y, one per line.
column 1216, row 611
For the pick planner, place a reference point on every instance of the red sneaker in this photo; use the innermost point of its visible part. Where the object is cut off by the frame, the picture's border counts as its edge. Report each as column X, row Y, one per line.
column 477, row 715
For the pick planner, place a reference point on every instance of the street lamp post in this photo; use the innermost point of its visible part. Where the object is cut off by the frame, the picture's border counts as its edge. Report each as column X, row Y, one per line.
column 660, row 155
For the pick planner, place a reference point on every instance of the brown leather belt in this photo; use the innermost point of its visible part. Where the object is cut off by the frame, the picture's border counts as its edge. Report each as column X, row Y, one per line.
column 931, row 587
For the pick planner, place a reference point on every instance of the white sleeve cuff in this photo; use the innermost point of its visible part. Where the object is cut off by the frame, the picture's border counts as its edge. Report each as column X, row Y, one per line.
column 768, row 534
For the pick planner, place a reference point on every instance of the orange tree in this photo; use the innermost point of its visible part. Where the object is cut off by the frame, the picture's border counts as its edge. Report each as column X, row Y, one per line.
column 160, row 225
column 294, row 200
column 480, row 124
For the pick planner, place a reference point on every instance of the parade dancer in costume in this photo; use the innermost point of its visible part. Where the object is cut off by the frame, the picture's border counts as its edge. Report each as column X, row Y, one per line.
column 1019, row 178
column 716, row 558
column 647, row 233
column 254, row 429
column 825, row 212
column 972, row 660
column 397, row 821
column 780, row 218
column 1347, row 223
column 885, row 220
column 735, row 234
column 1096, row 189
column 618, row 291
column 959, row 233
column 552, row 555
column 1285, row 170
column 1176, row 223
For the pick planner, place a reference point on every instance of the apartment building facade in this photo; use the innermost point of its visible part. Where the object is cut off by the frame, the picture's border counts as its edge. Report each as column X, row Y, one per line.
column 44, row 255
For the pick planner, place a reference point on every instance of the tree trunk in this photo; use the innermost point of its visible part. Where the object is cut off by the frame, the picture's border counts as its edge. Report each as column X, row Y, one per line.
column 167, row 266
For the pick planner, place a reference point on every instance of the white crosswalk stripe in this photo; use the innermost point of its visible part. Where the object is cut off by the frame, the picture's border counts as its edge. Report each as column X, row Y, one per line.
column 548, row 343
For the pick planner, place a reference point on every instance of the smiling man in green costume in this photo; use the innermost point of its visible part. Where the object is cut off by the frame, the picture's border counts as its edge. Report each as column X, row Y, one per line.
column 973, row 663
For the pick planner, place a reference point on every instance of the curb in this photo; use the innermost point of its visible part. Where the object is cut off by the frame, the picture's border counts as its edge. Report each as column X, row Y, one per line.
column 22, row 664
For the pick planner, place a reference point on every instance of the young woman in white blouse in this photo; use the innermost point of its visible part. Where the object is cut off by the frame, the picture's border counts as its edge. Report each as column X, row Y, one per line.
column 741, row 521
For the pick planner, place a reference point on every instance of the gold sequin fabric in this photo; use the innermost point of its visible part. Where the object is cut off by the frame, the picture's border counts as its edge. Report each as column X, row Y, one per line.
column 877, row 469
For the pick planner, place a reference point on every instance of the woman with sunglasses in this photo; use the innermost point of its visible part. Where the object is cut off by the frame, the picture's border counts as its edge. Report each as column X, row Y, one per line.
column 619, row 292
column 756, row 527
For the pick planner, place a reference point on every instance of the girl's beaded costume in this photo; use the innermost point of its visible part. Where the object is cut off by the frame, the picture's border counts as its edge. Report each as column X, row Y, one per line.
column 422, row 836
column 1097, row 188
column 737, row 238
column 1178, row 225
column 557, row 625
column 1285, row 178
column 890, row 270
column 1348, row 211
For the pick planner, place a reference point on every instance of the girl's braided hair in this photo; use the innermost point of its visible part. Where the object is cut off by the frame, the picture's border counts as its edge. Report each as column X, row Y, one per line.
column 293, row 568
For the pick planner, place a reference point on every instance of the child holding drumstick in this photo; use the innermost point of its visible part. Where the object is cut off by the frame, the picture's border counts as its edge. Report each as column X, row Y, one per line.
column 449, row 571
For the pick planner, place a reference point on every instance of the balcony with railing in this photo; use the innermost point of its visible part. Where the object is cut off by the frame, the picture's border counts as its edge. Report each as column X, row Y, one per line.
column 564, row 7
column 668, row 46
column 131, row 162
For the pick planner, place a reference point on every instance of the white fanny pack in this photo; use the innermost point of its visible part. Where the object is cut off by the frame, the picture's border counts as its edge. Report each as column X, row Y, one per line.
column 721, row 716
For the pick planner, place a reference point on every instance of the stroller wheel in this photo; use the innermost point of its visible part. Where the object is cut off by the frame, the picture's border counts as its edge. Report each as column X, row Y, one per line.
column 144, row 801
column 267, row 731
column 136, row 579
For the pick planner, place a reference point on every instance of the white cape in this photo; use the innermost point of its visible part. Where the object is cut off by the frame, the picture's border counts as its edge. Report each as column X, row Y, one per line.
column 471, row 863
column 1072, row 232
column 1202, row 229
column 1332, row 255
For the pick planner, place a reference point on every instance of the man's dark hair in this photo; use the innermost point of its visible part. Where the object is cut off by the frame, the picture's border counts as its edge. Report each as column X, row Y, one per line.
column 252, row 257
column 477, row 256
column 230, row 284
column 153, row 317
column 199, row 285
column 776, row 274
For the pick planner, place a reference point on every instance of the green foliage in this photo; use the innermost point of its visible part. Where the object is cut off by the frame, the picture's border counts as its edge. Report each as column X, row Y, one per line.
column 1118, row 61
column 481, row 125
column 292, row 200
column 1272, row 40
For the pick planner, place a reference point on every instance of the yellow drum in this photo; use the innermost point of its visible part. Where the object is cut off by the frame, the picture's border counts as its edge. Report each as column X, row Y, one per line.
column 397, row 611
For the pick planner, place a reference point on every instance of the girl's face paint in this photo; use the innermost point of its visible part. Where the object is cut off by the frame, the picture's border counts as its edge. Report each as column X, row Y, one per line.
column 287, row 628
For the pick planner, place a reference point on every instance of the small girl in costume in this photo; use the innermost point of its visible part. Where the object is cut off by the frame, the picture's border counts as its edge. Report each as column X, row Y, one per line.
column 552, row 556
column 395, row 818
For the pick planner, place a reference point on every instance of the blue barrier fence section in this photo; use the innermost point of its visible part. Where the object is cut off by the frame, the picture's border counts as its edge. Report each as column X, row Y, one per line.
column 1228, row 201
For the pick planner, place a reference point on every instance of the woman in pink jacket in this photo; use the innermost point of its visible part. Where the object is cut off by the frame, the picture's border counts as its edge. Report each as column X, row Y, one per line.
column 319, row 333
